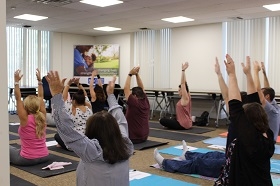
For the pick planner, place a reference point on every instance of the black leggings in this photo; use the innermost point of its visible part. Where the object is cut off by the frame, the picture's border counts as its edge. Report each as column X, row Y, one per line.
column 171, row 124
column 59, row 141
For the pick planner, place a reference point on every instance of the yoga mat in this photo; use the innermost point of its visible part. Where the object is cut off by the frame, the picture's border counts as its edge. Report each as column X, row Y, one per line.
column 138, row 178
column 216, row 141
column 38, row 171
column 16, row 181
column 63, row 151
column 14, row 129
column 275, row 179
column 177, row 150
column 13, row 137
column 222, row 142
column 148, row 144
column 176, row 136
column 224, row 134
column 193, row 130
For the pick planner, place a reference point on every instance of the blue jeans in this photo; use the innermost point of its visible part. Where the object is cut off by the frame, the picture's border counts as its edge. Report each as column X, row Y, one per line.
column 206, row 164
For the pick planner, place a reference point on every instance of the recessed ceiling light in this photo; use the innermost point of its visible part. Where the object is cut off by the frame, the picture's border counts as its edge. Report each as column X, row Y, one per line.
column 107, row 28
column 272, row 7
column 101, row 3
column 178, row 19
column 31, row 17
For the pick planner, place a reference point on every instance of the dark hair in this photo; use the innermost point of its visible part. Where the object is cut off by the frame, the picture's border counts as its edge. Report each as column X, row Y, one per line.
column 269, row 91
column 138, row 91
column 257, row 116
column 93, row 57
column 104, row 127
column 187, row 87
column 83, row 48
column 79, row 97
column 244, row 98
column 99, row 92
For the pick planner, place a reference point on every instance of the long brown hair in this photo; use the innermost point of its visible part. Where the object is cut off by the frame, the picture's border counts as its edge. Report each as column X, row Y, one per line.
column 99, row 92
column 104, row 127
column 257, row 115
column 32, row 106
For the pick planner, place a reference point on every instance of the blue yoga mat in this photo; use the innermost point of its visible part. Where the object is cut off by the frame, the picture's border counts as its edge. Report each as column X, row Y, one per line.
column 222, row 142
column 216, row 141
column 155, row 180
column 178, row 152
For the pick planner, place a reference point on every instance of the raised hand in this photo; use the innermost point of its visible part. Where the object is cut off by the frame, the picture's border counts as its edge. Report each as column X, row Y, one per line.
column 185, row 66
column 217, row 67
column 76, row 80
column 55, row 83
column 38, row 74
column 263, row 67
column 230, row 66
column 111, row 85
column 17, row 75
column 134, row 71
column 257, row 66
column 247, row 67
column 94, row 73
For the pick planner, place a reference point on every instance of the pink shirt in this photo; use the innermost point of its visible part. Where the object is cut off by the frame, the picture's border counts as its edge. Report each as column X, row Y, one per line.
column 183, row 114
column 31, row 146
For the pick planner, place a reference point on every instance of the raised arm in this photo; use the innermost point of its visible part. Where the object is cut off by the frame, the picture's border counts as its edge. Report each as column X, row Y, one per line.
column 91, row 88
column 41, row 92
column 222, row 84
column 138, row 79
column 233, row 89
column 115, row 109
column 251, row 88
column 265, row 79
column 126, row 88
column 66, row 89
column 185, row 99
column 22, row 113
column 257, row 82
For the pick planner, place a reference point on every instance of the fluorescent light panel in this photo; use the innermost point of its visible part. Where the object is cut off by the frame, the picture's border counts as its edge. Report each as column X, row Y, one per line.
column 101, row 3
column 179, row 19
column 272, row 7
column 107, row 29
column 31, row 17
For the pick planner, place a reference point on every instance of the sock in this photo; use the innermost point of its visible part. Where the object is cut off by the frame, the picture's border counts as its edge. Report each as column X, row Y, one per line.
column 185, row 149
column 159, row 159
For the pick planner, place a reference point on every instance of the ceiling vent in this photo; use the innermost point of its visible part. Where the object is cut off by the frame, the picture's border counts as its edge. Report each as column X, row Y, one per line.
column 54, row 2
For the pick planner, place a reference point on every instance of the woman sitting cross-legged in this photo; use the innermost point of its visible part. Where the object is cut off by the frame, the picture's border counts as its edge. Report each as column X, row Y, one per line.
column 79, row 108
column 104, row 149
column 32, row 129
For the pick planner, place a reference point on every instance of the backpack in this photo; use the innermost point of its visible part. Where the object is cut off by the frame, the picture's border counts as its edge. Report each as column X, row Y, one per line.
column 202, row 120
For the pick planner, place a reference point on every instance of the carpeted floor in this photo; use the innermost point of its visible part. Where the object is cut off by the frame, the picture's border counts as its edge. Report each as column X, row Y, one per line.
column 141, row 160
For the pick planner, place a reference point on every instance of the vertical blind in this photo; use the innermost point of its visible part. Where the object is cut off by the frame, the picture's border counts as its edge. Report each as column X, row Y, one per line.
column 27, row 50
column 152, row 53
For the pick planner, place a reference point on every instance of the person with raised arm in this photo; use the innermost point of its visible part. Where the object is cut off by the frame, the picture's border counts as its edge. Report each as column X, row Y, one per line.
column 79, row 108
column 98, row 97
column 248, row 156
column 104, row 149
column 32, row 130
column 183, row 107
column 138, row 108
column 268, row 102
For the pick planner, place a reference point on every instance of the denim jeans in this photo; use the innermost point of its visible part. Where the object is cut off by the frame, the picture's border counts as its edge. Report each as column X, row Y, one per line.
column 206, row 164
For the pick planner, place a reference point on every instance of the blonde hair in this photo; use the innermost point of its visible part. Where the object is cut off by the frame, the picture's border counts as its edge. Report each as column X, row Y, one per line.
column 32, row 106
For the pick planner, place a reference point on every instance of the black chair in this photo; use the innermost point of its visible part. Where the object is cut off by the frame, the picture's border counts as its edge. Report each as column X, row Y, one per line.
column 47, row 93
column 27, row 91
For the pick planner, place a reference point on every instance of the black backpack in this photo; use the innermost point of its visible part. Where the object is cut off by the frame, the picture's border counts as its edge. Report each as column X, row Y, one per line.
column 202, row 120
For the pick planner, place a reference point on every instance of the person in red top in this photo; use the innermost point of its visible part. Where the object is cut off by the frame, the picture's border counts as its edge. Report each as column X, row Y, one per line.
column 138, row 110
column 183, row 107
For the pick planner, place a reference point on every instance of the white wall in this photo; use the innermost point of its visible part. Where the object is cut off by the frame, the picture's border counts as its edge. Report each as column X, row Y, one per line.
column 62, row 56
column 4, row 129
column 198, row 45
column 126, row 52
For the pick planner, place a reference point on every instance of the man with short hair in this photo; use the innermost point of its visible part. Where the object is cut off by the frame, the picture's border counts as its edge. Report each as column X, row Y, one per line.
column 138, row 110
